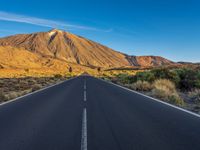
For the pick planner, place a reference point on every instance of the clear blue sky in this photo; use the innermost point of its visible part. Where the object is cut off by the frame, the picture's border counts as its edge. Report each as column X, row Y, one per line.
column 169, row 28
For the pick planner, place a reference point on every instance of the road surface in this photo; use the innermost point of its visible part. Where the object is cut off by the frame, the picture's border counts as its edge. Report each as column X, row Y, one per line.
column 86, row 113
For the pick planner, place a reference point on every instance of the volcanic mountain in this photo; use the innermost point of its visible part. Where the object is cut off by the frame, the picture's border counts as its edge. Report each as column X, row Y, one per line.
column 70, row 48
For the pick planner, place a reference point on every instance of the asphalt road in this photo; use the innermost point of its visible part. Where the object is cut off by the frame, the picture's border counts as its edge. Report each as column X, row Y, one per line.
column 86, row 113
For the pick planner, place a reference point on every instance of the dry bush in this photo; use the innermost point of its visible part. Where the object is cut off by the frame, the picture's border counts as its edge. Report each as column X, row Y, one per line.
column 17, row 86
column 166, row 90
column 1, row 82
column 50, row 82
column 2, row 96
column 128, row 85
column 25, row 92
column 57, row 76
column 23, row 81
column 36, row 87
column 165, row 84
column 32, row 81
column 195, row 94
column 176, row 99
column 12, row 95
column 141, row 86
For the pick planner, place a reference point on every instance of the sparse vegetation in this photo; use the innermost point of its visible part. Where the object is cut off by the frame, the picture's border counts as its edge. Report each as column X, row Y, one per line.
column 195, row 95
column 176, row 85
column 11, row 88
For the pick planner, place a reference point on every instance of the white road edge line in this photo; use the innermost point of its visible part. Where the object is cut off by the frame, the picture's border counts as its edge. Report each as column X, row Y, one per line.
column 157, row 100
column 84, row 130
column 10, row 101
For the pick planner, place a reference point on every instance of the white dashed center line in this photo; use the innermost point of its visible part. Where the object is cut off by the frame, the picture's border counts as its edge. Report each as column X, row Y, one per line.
column 85, row 98
column 84, row 123
column 84, row 131
column 85, row 91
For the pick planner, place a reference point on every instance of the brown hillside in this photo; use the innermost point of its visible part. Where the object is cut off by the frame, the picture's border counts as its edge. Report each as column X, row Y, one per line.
column 70, row 48
column 148, row 61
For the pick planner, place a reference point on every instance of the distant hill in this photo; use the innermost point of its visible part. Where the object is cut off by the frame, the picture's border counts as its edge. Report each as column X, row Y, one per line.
column 43, row 48
column 188, row 63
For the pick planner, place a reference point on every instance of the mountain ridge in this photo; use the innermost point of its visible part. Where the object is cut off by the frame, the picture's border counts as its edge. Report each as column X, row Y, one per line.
column 71, row 48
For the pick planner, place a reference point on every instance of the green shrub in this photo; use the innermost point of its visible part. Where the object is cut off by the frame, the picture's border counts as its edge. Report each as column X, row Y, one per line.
column 141, row 86
column 165, row 73
column 154, row 74
column 162, row 73
column 106, row 79
column 145, row 76
column 123, row 78
column 175, row 99
column 189, row 79
column 174, row 76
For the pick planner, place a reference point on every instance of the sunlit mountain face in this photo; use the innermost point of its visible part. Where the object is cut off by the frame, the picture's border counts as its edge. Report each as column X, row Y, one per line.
column 69, row 48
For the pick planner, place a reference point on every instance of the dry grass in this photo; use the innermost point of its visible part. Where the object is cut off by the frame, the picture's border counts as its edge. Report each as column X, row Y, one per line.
column 164, row 84
column 14, row 94
column 36, row 87
column 166, row 90
column 141, row 86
